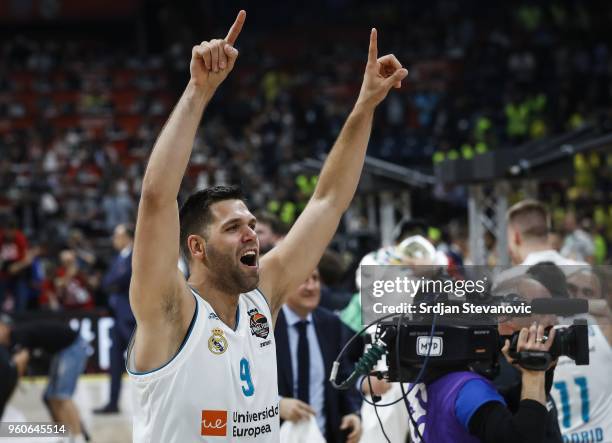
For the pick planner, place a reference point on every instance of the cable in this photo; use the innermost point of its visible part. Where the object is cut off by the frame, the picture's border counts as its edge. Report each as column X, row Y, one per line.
column 382, row 428
column 364, row 398
column 417, row 381
column 357, row 334
column 363, row 367
column 420, row 374
column 366, row 362
column 404, row 393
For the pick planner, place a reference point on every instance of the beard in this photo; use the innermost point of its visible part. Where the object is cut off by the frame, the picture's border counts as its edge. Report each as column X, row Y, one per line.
column 227, row 274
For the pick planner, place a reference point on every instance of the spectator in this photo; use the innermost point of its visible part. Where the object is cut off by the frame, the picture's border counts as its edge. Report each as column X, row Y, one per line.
column 528, row 228
column 331, row 269
column 15, row 261
column 84, row 251
column 118, row 205
column 116, row 283
column 308, row 338
column 269, row 231
column 71, row 289
column 555, row 241
column 578, row 244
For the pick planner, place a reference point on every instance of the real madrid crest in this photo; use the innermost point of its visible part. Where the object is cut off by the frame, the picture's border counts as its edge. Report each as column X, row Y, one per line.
column 217, row 343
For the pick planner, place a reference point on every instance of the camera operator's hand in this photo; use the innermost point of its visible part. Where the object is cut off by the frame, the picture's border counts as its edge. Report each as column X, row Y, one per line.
column 531, row 339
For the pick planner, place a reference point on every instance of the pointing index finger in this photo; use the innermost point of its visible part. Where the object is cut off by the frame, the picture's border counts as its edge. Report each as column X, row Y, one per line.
column 373, row 51
column 234, row 31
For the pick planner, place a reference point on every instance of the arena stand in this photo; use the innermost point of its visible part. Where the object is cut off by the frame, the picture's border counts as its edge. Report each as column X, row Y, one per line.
column 80, row 110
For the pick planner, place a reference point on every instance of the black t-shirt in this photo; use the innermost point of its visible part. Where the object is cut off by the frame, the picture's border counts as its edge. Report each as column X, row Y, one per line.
column 494, row 423
column 50, row 336
column 508, row 383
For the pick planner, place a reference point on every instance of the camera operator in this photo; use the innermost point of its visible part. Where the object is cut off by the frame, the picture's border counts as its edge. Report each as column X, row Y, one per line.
column 463, row 406
column 584, row 393
column 540, row 281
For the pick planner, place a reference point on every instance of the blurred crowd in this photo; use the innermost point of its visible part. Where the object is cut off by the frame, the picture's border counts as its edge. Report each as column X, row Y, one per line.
column 79, row 116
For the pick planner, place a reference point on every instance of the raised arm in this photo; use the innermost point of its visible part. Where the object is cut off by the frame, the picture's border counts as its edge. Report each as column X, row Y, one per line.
column 285, row 267
column 157, row 287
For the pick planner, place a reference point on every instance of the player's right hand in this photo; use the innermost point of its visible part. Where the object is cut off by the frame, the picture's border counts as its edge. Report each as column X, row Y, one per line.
column 212, row 61
column 293, row 409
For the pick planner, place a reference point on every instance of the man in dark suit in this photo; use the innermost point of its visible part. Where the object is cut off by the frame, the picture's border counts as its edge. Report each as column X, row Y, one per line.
column 116, row 283
column 308, row 339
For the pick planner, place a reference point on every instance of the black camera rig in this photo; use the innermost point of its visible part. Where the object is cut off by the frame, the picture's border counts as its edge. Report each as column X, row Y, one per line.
column 470, row 346
column 423, row 346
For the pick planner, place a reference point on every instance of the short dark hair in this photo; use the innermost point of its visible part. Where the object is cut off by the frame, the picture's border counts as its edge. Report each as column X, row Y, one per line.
column 331, row 268
column 551, row 277
column 195, row 215
column 530, row 218
column 271, row 220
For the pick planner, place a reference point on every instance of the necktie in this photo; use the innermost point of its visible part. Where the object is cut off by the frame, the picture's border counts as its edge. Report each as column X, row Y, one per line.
column 303, row 372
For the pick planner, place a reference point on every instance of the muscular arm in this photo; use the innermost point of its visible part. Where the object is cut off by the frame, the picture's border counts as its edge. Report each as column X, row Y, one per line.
column 288, row 265
column 158, row 293
column 155, row 278
column 297, row 255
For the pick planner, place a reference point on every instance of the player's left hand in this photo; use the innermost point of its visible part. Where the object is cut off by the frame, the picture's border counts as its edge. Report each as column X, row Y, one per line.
column 381, row 74
column 352, row 422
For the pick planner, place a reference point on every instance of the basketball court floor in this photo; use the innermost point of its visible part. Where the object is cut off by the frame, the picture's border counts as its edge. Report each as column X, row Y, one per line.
column 92, row 392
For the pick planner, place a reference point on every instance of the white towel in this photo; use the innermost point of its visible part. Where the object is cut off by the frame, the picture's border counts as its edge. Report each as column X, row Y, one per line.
column 303, row 431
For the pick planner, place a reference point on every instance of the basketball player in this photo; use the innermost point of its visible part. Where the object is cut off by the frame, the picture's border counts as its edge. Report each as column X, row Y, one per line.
column 203, row 358
column 583, row 394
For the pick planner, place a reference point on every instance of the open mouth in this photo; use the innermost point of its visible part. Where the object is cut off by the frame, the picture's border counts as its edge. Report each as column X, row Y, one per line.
column 249, row 258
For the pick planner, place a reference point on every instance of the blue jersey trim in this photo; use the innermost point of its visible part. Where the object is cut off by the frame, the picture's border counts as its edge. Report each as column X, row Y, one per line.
column 193, row 320
column 265, row 299
column 474, row 394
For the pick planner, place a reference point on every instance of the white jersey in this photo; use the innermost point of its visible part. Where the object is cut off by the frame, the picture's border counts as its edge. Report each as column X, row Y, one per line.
column 583, row 394
column 220, row 386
